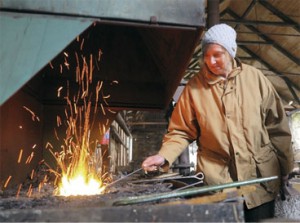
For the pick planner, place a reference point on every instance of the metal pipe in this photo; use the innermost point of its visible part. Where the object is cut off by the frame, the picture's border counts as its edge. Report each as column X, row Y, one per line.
column 213, row 16
column 122, row 178
column 189, row 192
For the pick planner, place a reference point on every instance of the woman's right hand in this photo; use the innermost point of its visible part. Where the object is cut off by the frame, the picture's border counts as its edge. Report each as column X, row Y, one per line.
column 153, row 162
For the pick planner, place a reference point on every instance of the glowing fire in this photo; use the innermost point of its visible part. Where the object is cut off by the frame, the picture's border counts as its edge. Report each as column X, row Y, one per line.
column 80, row 179
column 79, row 186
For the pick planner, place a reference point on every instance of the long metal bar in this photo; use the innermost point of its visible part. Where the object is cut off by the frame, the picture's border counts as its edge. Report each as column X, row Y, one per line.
column 199, row 176
column 122, row 178
column 189, row 192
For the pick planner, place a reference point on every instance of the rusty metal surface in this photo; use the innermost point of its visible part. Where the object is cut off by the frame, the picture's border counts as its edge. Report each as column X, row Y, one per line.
column 221, row 212
column 31, row 43
column 141, row 40
column 185, row 12
column 43, row 207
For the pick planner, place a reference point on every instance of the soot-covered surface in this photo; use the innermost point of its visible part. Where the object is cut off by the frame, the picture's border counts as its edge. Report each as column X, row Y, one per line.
column 43, row 206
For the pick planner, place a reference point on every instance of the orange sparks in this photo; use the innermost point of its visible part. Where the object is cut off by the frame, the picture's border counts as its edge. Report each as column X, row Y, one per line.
column 32, row 174
column 103, row 111
column 61, row 69
column 33, row 147
column 33, row 116
column 29, row 190
column 107, row 96
column 7, row 181
column 83, row 94
column 58, row 91
column 58, row 121
column 111, row 111
column 67, row 64
column 20, row 155
column 56, row 135
column 66, row 113
column 75, row 153
column 48, row 144
column 19, row 189
column 40, row 186
column 81, row 45
column 29, row 158
column 91, row 68
column 66, row 54
column 51, row 65
column 75, row 108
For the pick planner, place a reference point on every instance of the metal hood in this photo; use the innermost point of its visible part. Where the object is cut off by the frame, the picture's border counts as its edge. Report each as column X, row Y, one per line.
column 146, row 46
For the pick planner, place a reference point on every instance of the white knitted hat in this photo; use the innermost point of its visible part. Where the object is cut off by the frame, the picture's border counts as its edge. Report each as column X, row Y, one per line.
column 223, row 35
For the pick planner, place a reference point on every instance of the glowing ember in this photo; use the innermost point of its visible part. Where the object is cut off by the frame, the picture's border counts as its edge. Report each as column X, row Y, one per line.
column 79, row 186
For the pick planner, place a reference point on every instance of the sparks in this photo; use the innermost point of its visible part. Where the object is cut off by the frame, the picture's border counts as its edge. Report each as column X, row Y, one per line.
column 7, row 181
column 20, row 155
column 79, row 175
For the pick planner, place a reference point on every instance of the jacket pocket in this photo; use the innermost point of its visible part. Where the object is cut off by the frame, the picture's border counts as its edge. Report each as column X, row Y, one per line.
column 267, row 165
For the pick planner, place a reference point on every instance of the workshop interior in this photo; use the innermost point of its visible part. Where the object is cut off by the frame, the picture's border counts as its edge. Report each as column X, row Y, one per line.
column 86, row 92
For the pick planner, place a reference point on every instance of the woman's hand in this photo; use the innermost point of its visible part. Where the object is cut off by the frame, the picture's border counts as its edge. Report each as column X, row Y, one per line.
column 153, row 162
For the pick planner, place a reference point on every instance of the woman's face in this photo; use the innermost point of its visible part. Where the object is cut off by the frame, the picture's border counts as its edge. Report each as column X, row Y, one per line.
column 217, row 59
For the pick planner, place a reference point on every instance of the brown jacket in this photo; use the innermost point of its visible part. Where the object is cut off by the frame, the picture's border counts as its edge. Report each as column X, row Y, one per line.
column 240, row 126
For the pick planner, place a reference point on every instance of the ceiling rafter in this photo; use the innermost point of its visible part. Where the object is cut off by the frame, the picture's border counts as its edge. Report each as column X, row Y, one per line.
column 252, row 22
column 279, row 14
column 266, row 38
column 247, row 11
column 288, row 82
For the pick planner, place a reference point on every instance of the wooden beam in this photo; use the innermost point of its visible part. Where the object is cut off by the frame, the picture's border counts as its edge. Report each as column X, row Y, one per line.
column 266, row 38
column 247, row 11
column 253, row 43
column 252, row 22
column 279, row 14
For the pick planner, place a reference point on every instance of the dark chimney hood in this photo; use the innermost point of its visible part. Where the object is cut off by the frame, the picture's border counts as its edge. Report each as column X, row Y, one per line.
column 146, row 46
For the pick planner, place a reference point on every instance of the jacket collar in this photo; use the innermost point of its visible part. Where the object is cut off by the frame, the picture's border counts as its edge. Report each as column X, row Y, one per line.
column 213, row 79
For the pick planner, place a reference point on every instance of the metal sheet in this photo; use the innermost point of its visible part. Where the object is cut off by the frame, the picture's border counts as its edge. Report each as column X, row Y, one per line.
column 185, row 12
column 43, row 29
column 28, row 43
column 219, row 212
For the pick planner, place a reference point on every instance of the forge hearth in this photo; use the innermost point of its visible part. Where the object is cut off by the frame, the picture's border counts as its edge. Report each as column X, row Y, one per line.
column 43, row 207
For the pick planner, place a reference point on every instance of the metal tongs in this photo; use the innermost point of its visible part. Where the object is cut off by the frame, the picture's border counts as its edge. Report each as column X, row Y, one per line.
column 197, row 178
column 122, row 178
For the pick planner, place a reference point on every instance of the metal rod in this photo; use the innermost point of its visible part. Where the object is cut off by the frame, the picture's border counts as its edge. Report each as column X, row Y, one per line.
column 189, row 192
column 122, row 178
